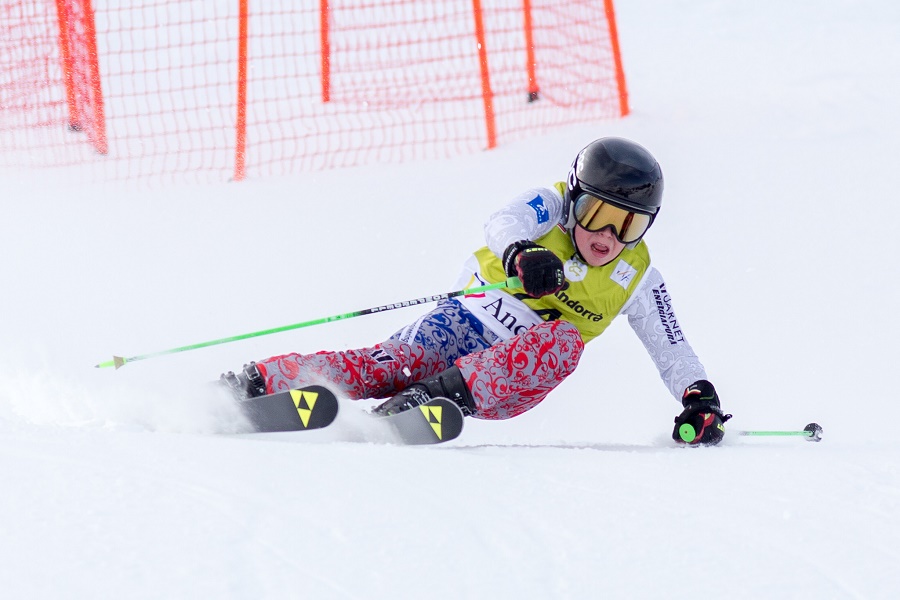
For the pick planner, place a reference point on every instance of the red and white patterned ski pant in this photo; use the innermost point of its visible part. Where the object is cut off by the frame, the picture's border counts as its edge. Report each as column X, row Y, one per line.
column 505, row 379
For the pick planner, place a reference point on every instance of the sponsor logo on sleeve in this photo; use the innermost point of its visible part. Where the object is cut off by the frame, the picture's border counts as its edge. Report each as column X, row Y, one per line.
column 543, row 215
column 667, row 315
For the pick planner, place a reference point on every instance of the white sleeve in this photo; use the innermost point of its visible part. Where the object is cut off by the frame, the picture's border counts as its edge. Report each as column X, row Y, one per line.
column 652, row 318
column 528, row 216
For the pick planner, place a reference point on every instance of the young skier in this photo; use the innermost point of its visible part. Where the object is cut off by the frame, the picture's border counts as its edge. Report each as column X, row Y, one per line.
column 577, row 248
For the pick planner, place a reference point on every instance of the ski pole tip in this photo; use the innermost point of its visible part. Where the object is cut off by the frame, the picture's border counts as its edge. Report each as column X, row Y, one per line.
column 116, row 362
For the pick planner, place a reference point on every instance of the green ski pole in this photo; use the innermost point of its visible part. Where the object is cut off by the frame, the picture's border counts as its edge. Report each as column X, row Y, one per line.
column 511, row 282
column 812, row 433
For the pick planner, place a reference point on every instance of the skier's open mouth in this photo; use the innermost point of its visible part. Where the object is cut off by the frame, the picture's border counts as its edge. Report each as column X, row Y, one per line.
column 600, row 249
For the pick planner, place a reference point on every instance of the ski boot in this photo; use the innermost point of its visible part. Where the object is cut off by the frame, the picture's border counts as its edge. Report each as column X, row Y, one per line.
column 447, row 384
column 247, row 384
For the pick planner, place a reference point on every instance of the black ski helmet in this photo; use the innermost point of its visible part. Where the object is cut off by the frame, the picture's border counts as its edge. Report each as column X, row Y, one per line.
column 618, row 171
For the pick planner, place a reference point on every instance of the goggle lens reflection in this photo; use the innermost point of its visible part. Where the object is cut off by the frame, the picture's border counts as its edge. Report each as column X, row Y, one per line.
column 594, row 214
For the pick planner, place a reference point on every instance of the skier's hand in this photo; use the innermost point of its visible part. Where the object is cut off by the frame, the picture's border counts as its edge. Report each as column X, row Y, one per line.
column 702, row 420
column 540, row 270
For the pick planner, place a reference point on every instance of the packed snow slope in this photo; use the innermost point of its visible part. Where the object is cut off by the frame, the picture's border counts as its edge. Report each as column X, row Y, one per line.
column 776, row 127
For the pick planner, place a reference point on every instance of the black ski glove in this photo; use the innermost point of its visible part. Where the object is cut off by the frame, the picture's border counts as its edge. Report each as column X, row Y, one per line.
column 702, row 420
column 540, row 270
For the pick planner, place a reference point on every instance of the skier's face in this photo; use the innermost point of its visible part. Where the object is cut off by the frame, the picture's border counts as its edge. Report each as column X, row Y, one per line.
column 597, row 247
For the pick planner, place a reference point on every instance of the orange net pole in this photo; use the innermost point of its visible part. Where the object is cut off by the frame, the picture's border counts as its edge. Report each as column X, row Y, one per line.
column 325, row 43
column 486, row 93
column 529, row 52
column 68, row 68
column 240, row 144
column 99, row 117
column 617, row 56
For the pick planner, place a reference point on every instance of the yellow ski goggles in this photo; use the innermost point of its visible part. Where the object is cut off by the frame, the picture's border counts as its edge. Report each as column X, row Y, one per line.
column 594, row 214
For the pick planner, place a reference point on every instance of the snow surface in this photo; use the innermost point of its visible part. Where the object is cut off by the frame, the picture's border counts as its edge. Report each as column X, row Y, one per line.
column 776, row 127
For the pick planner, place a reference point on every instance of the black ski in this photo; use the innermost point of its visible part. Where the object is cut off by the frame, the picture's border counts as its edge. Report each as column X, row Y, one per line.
column 315, row 407
column 439, row 420
column 311, row 407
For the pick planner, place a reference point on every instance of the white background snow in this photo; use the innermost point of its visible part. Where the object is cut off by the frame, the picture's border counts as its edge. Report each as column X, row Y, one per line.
column 776, row 125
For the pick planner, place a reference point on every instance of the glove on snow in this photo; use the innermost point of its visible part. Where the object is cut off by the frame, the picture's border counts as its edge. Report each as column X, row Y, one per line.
column 540, row 270
column 702, row 420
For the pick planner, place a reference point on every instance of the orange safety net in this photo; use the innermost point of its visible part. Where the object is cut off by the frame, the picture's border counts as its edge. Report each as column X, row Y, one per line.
column 205, row 90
